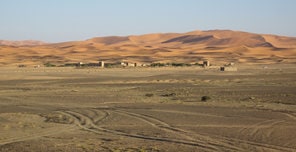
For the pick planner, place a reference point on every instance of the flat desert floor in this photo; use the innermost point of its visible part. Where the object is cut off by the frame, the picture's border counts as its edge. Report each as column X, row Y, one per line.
column 148, row 109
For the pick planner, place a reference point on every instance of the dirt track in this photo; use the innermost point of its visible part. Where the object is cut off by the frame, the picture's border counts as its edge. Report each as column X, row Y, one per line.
column 63, row 109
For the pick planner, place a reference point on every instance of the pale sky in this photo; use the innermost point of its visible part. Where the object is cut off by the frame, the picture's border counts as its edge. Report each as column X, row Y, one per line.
column 67, row 20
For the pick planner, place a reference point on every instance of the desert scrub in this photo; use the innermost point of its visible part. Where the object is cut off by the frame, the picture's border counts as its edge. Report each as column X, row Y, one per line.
column 56, row 118
column 49, row 65
column 205, row 98
column 169, row 95
column 149, row 94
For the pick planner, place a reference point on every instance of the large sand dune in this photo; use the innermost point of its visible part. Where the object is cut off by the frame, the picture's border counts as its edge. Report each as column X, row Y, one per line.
column 218, row 45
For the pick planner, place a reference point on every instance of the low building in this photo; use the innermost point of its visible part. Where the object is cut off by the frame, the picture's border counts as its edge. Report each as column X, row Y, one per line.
column 206, row 63
column 128, row 64
column 231, row 64
column 80, row 63
column 228, row 68
column 36, row 66
column 131, row 64
column 102, row 64
column 123, row 64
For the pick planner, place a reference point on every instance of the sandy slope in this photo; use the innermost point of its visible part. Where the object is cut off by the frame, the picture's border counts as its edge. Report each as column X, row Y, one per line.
column 218, row 45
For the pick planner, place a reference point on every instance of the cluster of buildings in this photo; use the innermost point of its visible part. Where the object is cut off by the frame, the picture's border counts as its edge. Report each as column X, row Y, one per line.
column 228, row 67
column 102, row 64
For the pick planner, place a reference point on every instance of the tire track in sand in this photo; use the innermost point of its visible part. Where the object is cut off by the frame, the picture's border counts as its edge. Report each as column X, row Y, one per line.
column 221, row 141
column 253, row 129
column 256, row 144
column 292, row 116
column 203, row 141
column 185, row 134
column 86, row 123
column 48, row 132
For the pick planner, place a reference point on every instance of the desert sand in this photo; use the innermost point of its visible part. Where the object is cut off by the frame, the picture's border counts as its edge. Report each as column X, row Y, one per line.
column 221, row 46
column 148, row 109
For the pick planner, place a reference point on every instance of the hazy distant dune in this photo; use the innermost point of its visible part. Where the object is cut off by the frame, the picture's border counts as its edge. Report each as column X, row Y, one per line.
column 21, row 43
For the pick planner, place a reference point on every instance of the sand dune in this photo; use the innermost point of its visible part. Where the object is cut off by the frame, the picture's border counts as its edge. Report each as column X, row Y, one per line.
column 218, row 45
column 109, row 40
column 280, row 41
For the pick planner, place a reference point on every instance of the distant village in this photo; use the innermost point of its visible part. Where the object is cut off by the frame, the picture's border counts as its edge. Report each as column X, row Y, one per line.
column 101, row 64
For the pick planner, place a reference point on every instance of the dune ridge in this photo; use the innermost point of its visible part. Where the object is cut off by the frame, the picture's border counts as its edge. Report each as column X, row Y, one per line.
column 220, row 46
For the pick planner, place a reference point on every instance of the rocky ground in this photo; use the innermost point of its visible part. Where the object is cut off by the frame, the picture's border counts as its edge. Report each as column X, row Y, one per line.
column 148, row 109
